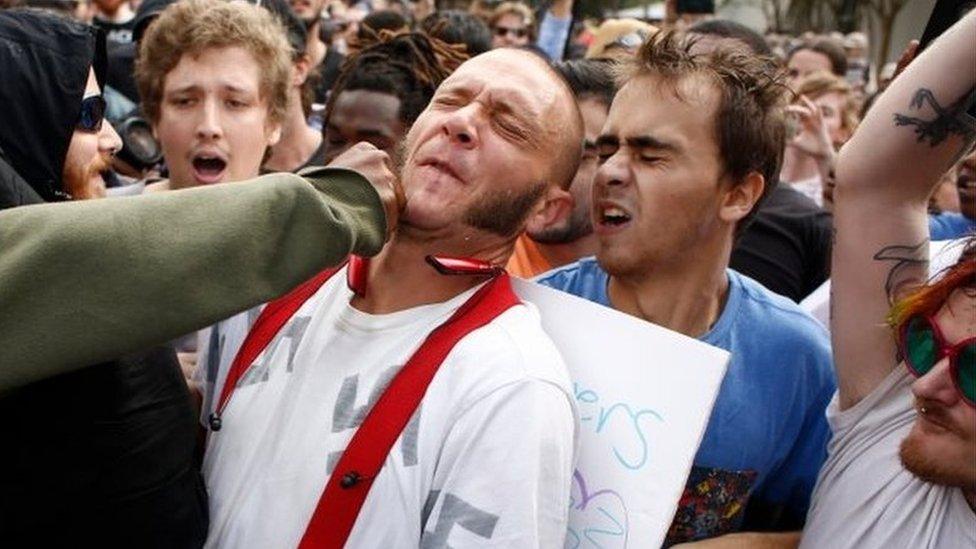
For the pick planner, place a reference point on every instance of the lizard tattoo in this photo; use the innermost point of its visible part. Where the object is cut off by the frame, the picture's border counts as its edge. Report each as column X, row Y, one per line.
column 951, row 120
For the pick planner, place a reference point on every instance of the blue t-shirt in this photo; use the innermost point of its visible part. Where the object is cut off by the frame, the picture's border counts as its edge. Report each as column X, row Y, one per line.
column 949, row 226
column 767, row 435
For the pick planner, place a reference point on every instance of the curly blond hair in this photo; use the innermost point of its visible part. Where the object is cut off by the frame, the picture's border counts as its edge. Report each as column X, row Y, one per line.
column 193, row 26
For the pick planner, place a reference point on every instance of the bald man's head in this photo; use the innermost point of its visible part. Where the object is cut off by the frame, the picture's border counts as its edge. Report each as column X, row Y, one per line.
column 562, row 121
column 498, row 133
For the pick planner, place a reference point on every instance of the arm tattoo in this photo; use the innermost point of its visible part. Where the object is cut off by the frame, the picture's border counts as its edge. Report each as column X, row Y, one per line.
column 901, row 274
column 951, row 120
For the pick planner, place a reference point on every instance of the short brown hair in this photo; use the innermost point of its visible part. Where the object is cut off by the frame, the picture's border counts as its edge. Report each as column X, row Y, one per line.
column 192, row 26
column 829, row 49
column 750, row 119
column 821, row 83
column 515, row 8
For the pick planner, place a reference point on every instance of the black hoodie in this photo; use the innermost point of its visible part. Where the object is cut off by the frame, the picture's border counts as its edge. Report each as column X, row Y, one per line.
column 44, row 63
column 103, row 456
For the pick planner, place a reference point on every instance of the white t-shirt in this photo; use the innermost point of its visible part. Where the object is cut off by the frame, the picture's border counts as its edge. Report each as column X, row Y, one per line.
column 865, row 498
column 217, row 346
column 487, row 460
column 812, row 188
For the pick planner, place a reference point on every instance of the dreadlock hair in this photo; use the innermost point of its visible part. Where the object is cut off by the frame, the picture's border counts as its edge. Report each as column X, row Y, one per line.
column 408, row 65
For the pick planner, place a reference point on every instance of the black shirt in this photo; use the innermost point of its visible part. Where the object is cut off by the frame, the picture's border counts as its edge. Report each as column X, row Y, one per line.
column 103, row 457
column 328, row 74
column 787, row 246
column 115, row 33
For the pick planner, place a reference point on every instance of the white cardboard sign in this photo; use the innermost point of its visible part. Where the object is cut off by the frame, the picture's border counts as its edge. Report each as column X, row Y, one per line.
column 645, row 395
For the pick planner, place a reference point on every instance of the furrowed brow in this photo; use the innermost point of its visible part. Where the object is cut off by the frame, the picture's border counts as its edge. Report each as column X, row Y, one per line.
column 607, row 141
column 650, row 142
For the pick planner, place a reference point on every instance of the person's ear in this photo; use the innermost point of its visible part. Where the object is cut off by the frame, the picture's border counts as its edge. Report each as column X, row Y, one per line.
column 274, row 134
column 300, row 71
column 555, row 207
column 741, row 197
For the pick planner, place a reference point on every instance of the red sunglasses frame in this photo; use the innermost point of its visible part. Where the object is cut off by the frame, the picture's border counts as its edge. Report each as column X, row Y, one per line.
column 944, row 350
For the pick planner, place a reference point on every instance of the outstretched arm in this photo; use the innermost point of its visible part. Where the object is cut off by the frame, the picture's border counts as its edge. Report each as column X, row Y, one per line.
column 85, row 282
column 885, row 174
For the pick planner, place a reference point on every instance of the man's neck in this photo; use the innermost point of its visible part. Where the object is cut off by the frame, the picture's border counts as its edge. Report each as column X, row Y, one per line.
column 315, row 47
column 400, row 277
column 970, row 498
column 687, row 298
column 298, row 141
column 798, row 166
column 564, row 253
column 122, row 15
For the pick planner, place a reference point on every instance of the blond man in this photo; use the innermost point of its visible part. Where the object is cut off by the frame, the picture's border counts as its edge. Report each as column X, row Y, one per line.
column 214, row 79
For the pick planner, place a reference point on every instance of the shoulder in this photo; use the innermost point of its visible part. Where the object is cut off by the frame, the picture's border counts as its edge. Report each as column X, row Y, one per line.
column 511, row 348
column 779, row 345
column 573, row 276
column 948, row 225
column 781, row 321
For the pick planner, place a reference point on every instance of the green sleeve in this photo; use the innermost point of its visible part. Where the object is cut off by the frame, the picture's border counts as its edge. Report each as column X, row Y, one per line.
column 84, row 282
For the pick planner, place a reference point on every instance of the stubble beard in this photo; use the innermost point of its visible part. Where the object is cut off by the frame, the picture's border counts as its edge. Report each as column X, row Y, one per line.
column 500, row 213
column 503, row 213
column 578, row 225
column 921, row 462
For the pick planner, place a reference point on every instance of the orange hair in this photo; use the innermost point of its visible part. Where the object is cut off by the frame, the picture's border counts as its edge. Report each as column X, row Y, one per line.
column 928, row 299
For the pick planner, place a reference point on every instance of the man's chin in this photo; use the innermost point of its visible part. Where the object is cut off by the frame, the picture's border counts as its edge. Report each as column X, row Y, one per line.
column 96, row 186
column 924, row 455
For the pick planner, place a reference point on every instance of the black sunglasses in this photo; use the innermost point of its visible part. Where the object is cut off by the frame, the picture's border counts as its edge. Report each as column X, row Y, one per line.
column 502, row 31
column 92, row 114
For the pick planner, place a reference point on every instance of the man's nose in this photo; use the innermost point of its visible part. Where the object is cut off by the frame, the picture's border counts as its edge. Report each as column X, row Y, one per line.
column 109, row 141
column 937, row 385
column 461, row 126
column 208, row 125
column 613, row 171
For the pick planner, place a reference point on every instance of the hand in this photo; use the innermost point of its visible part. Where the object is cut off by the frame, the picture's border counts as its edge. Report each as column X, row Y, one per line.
column 562, row 8
column 812, row 138
column 377, row 167
column 747, row 540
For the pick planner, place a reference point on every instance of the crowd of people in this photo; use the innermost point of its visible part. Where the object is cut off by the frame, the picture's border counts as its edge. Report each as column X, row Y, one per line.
column 255, row 264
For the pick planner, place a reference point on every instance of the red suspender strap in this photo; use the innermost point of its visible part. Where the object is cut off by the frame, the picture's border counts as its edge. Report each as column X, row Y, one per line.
column 362, row 460
column 269, row 322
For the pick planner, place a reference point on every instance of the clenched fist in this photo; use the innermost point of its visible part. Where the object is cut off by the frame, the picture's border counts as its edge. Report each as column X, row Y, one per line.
column 377, row 167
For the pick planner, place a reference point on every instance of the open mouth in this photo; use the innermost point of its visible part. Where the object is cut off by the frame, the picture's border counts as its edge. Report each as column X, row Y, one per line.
column 613, row 216
column 441, row 167
column 209, row 169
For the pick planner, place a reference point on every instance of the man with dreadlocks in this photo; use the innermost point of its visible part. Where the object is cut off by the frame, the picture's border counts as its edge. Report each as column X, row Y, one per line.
column 412, row 400
column 382, row 90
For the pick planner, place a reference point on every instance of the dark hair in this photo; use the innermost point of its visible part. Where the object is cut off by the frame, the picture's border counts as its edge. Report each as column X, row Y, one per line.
column 833, row 52
column 459, row 27
column 750, row 120
column 294, row 27
column 730, row 29
column 379, row 21
column 589, row 78
column 408, row 65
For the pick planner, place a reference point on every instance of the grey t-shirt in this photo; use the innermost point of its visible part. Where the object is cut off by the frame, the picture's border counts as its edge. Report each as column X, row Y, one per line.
column 865, row 498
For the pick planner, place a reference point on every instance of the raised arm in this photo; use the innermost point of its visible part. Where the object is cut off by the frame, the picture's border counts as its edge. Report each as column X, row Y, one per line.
column 554, row 29
column 84, row 282
column 885, row 174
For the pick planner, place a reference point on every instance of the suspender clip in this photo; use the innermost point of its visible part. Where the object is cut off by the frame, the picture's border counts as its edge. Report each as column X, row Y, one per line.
column 350, row 479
